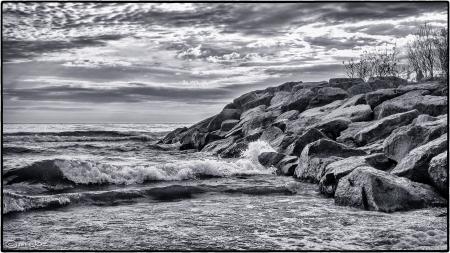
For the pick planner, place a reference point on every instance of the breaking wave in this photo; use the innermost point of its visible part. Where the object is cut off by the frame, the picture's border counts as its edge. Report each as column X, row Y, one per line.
column 73, row 171
column 13, row 202
column 18, row 150
column 79, row 136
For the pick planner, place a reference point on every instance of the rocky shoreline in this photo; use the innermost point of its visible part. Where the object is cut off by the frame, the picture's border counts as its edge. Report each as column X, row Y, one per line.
column 377, row 145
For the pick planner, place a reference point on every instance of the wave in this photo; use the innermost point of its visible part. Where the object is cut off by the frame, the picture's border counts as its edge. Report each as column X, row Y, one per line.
column 75, row 136
column 74, row 133
column 18, row 203
column 18, row 150
column 13, row 202
column 77, row 172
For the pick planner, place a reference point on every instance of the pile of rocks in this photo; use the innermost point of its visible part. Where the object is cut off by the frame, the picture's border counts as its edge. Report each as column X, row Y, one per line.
column 378, row 145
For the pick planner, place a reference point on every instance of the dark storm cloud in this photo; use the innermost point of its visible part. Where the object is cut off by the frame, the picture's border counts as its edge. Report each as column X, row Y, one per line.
column 27, row 49
column 134, row 93
column 358, row 11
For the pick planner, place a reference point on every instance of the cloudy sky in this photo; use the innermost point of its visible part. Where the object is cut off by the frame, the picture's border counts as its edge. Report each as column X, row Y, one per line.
column 172, row 62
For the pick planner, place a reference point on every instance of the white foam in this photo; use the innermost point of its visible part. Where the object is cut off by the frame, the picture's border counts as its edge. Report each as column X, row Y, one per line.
column 18, row 203
column 90, row 172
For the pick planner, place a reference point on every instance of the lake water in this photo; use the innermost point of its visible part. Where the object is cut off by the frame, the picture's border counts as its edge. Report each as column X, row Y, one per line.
column 112, row 187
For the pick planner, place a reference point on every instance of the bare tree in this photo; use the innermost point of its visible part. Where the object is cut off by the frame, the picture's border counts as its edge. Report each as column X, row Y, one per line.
column 424, row 46
column 441, row 45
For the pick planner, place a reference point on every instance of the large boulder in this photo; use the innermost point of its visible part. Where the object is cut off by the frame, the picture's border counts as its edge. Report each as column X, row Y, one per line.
column 353, row 113
column 334, row 171
column 344, row 83
column 326, row 95
column 273, row 135
column 217, row 147
column 247, row 97
column 332, row 127
column 371, row 189
column 268, row 159
column 287, row 165
column 381, row 128
column 310, row 117
column 173, row 136
column 415, row 165
column 262, row 100
column 337, row 170
column 317, row 155
column 419, row 132
column 354, row 100
column 360, row 88
column 227, row 125
column 300, row 142
column 235, row 149
column 388, row 81
column 226, row 114
column 438, row 172
column 377, row 97
column 425, row 104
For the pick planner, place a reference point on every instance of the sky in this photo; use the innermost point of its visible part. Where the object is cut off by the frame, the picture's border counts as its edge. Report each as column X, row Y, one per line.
column 181, row 62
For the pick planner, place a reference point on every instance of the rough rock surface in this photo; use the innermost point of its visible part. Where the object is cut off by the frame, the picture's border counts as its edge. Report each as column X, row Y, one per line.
column 438, row 172
column 419, row 132
column 371, row 189
column 415, row 165
column 270, row 158
column 419, row 100
column 386, row 135
column 317, row 155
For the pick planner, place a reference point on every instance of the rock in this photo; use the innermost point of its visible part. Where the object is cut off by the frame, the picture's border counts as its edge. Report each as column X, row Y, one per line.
column 216, row 147
column 235, row 150
column 425, row 104
column 310, row 117
column 240, row 101
column 355, row 100
column 280, row 99
column 348, row 135
column 406, row 138
column 227, row 125
column 381, row 128
column 338, row 169
column 299, row 101
column 258, row 122
column 296, row 147
column 268, row 159
column 226, row 114
column 430, row 86
column 334, row 171
column 360, row 88
column 415, row 165
column 389, row 81
column 353, row 113
column 273, row 135
column 344, row 83
column 327, row 95
column 332, row 127
column 438, row 172
column 310, row 85
column 263, row 100
column 287, row 165
column 371, row 189
column 380, row 161
column 317, row 155
column 287, row 116
column 173, row 136
column 377, row 97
